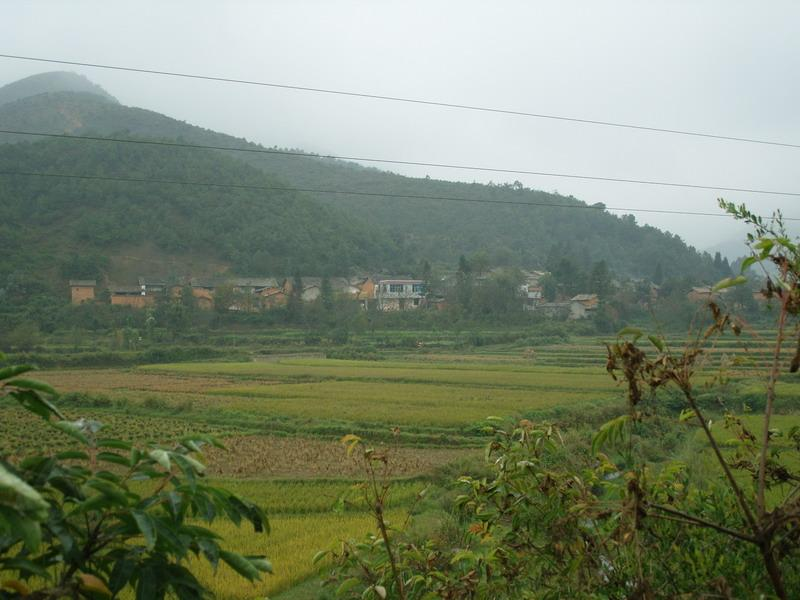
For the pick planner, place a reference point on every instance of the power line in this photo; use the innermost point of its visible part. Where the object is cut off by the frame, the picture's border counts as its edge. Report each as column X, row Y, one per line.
column 410, row 163
column 242, row 186
column 435, row 103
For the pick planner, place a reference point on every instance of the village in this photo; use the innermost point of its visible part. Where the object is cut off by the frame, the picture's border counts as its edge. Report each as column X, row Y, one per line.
column 256, row 294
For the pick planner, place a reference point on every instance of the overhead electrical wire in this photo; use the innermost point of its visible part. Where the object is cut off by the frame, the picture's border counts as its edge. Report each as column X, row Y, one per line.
column 407, row 100
column 242, row 186
column 408, row 163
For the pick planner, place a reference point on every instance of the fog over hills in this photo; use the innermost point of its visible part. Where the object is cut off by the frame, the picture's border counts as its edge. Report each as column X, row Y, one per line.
column 56, row 81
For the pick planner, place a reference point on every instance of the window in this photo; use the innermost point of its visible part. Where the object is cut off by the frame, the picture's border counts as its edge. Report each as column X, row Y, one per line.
column 418, row 288
column 396, row 287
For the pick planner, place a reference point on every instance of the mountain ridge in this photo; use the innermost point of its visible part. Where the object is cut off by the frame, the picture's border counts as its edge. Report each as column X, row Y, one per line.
column 419, row 229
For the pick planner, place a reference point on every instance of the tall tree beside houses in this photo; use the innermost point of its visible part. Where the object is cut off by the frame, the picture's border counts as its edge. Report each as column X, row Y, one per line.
column 295, row 302
column 326, row 294
column 464, row 283
column 600, row 280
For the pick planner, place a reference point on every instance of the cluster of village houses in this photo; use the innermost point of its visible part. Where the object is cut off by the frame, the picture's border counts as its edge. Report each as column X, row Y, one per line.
column 253, row 294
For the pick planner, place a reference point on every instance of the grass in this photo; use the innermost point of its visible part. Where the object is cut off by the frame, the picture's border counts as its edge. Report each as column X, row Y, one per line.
column 704, row 466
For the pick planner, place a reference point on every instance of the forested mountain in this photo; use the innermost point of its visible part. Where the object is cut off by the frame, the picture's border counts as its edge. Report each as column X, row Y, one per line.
column 388, row 232
column 45, row 221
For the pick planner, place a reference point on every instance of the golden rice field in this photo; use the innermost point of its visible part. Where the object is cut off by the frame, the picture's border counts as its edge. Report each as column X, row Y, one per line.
column 290, row 546
column 394, row 393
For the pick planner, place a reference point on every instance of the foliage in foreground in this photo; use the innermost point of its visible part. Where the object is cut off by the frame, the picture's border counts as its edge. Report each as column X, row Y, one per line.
column 549, row 524
column 78, row 523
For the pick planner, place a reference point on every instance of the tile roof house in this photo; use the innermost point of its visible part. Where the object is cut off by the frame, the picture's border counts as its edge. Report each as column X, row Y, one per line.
column 705, row 293
column 82, row 290
column 582, row 305
column 135, row 296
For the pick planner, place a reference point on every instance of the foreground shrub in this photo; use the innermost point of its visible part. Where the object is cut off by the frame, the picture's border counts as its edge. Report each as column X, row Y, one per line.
column 107, row 516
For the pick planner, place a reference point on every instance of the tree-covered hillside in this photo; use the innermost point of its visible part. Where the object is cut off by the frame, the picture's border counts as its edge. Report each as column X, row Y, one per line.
column 420, row 229
column 43, row 221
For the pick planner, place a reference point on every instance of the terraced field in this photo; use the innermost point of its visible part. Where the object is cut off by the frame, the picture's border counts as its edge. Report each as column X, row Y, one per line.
column 281, row 417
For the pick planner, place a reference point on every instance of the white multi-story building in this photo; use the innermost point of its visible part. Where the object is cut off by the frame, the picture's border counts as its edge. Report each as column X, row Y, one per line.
column 399, row 294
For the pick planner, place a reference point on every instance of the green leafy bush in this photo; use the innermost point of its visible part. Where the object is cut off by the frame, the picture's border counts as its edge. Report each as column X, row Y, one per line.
column 108, row 516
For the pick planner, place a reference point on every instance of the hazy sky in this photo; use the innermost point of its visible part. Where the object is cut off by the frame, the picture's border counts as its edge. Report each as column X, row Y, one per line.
column 721, row 67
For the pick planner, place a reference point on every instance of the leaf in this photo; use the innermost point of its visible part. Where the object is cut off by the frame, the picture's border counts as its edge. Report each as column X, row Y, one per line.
column 260, row 563
column 121, row 574
column 657, row 342
column 240, row 564
column 93, row 584
column 26, row 566
column 319, row 556
column 161, row 457
column 147, row 526
column 33, row 402
column 729, row 282
column 747, row 263
column 30, row 531
column 351, row 441
column 346, row 586
column 462, row 555
column 113, row 458
column 72, row 429
column 31, row 384
column 22, row 495
column 8, row 372
column 111, row 443
column 147, row 586
column 72, row 455
column 634, row 331
column 610, row 432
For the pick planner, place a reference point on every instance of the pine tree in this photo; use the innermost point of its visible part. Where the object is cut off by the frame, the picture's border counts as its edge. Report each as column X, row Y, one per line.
column 326, row 294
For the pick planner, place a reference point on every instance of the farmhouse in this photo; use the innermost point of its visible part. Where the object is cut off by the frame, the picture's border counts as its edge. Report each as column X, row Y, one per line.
column 151, row 285
column 705, row 294
column 253, row 285
column 555, row 310
column 82, row 290
column 532, row 294
column 399, row 294
column 203, row 292
column 133, row 296
column 582, row 305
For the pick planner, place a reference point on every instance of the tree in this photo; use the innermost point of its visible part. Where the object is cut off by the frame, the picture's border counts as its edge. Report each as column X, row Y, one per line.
column 464, row 284
column 600, row 280
column 294, row 304
column 658, row 274
column 611, row 519
column 549, row 287
column 326, row 294
column 479, row 262
column 81, row 524
column 426, row 274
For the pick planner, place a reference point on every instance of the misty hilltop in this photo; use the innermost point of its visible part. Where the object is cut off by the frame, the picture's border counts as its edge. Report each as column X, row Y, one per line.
column 272, row 232
column 49, row 83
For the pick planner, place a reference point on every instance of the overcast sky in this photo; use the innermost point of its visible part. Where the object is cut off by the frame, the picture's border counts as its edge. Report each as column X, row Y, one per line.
column 722, row 67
